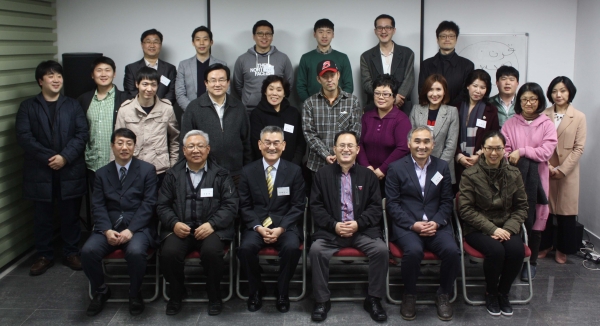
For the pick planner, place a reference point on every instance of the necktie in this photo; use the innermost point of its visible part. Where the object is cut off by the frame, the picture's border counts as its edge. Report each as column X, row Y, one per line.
column 268, row 220
column 123, row 174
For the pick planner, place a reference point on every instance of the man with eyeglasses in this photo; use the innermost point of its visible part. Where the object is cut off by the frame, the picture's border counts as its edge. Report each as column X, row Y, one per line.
column 151, row 46
column 261, row 60
column 271, row 204
column 387, row 57
column 223, row 118
column 345, row 203
column 197, row 205
column 446, row 62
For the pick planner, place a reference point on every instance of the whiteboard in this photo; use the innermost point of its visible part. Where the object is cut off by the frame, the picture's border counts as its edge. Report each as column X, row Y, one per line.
column 491, row 51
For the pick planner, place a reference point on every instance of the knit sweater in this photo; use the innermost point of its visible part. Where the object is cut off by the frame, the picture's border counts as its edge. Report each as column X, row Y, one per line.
column 306, row 81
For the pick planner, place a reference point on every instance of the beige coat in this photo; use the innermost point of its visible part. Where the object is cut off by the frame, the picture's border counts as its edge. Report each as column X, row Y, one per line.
column 157, row 133
column 564, row 193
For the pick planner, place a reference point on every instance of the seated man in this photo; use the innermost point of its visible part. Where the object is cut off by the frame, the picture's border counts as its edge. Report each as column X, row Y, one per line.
column 419, row 194
column 345, row 203
column 122, row 202
column 197, row 204
column 272, row 202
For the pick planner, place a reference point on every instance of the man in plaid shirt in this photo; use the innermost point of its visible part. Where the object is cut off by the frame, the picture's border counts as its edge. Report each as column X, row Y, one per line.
column 326, row 113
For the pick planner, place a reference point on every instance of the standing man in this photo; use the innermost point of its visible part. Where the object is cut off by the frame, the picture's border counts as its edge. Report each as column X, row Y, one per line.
column 446, row 62
column 261, row 60
column 122, row 204
column 52, row 131
column 197, row 204
column 224, row 119
column 387, row 57
column 151, row 45
column 507, row 81
column 190, row 73
column 345, row 202
column 272, row 202
column 326, row 113
column 306, row 81
column 419, row 192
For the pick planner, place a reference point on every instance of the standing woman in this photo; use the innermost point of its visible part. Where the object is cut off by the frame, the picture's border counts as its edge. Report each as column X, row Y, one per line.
column 476, row 117
column 384, row 133
column 532, row 135
column 564, row 169
column 442, row 119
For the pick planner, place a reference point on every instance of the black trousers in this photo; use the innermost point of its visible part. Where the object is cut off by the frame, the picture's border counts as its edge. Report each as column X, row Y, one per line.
column 534, row 238
column 173, row 252
column 503, row 260
column 288, row 245
column 563, row 235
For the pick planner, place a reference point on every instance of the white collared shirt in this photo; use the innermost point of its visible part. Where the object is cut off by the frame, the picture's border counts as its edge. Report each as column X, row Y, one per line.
column 422, row 176
column 386, row 62
column 220, row 108
column 507, row 107
column 273, row 171
column 155, row 67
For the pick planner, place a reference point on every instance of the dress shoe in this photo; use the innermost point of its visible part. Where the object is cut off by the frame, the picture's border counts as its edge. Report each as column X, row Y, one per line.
column 283, row 303
column 255, row 301
column 40, row 266
column 408, row 308
column 215, row 307
column 543, row 253
column 320, row 310
column 444, row 308
column 173, row 307
column 560, row 257
column 73, row 262
column 505, row 306
column 373, row 306
column 97, row 303
column 525, row 274
column 492, row 305
column 136, row 304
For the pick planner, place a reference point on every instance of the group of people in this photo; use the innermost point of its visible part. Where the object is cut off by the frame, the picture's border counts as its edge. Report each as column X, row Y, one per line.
column 512, row 160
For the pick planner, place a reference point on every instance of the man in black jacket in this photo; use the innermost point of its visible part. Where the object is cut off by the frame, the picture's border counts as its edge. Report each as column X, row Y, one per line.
column 52, row 131
column 197, row 204
column 345, row 202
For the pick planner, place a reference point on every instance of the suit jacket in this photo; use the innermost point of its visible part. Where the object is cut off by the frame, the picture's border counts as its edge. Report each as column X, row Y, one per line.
column 186, row 84
column 405, row 203
column 85, row 100
column 255, row 204
column 134, row 199
column 164, row 69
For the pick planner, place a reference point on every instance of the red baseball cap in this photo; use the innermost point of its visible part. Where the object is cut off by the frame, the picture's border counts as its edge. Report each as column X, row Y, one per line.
column 325, row 66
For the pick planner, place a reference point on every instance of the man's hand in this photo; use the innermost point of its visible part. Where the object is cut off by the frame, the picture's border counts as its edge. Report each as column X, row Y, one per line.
column 181, row 230
column 126, row 235
column 265, row 233
column 112, row 237
column 399, row 100
column 425, row 229
column 330, row 159
column 56, row 162
column 203, row 231
column 274, row 235
column 513, row 157
column 346, row 229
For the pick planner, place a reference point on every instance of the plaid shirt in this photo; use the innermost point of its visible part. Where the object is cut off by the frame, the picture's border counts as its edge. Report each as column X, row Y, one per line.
column 321, row 121
column 100, row 120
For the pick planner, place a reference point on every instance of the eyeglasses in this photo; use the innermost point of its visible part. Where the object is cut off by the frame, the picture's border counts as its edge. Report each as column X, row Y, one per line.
column 384, row 95
column 447, row 36
column 275, row 144
column 349, row 146
column 191, row 147
column 530, row 100
column 263, row 34
column 381, row 28
column 152, row 42
column 493, row 149
column 217, row 81
column 128, row 144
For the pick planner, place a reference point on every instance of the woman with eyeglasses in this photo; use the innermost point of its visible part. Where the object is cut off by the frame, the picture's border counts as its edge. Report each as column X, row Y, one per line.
column 476, row 117
column 384, row 130
column 493, row 205
column 274, row 109
column 530, row 142
column 442, row 119
column 564, row 169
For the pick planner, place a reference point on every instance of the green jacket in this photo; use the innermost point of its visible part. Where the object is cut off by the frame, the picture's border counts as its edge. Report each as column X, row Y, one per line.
column 502, row 115
column 492, row 198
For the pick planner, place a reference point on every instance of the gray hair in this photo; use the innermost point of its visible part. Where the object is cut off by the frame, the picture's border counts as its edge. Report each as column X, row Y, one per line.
column 420, row 128
column 272, row 129
column 196, row 133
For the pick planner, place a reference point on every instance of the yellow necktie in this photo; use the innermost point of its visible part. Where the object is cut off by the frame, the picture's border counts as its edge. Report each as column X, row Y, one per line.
column 268, row 220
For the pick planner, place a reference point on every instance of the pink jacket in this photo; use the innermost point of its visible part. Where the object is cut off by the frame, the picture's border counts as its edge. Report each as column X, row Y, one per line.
column 535, row 141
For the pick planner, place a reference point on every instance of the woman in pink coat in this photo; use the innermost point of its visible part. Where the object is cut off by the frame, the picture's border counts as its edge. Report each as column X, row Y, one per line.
column 531, row 134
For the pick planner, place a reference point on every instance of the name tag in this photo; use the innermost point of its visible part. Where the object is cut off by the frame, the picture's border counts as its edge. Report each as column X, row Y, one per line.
column 206, row 192
column 481, row 123
column 437, row 178
column 165, row 81
column 288, row 128
column 283, row 191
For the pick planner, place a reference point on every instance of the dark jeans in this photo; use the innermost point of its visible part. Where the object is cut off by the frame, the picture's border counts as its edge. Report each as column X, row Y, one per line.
column 503, row 260
column 563, row 235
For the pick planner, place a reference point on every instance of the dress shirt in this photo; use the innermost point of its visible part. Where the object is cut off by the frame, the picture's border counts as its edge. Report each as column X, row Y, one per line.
column 505, row 107
column 325, row 52
column 126, row 166
column 273, row 174
column 346, row 196
column 386, row 62
column 196, row 176
column 100, row 119
column 422, row 176
column 220, row 108
column 155, row 67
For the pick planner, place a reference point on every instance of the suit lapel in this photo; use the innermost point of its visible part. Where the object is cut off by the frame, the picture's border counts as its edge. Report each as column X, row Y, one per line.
column 279, row 179
column 193, row 67
column 566, row 121
column 132, row 174
column 431, row 170
column 410, row 169
column 113, row 176
column 396, row 59
column 262, row 180
column 376, row 58
column 441, row 119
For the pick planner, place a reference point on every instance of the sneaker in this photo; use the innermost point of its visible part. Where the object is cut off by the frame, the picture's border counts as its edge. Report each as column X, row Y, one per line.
column 492, row 305
column 505, row 307
column 525, row 275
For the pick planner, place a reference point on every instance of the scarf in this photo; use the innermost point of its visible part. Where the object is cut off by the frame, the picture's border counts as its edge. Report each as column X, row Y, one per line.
column 468, row 131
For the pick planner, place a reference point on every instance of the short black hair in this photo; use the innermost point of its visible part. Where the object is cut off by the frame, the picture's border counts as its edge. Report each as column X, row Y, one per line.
column 105, row 60
column 47, row 67
column 217, row 66
column 383, row 16
column 262, row 23
column 507, row 71
column 493, row 133
column 202, row 29
column 273, row 79
column 122, row 132
column 473, row 76
column 568, row 84
column 446, row 26
column 536, row 89
column 148, row 74
column 323, row 23
column 386, row 80
column 345, row 132
column 151, row 32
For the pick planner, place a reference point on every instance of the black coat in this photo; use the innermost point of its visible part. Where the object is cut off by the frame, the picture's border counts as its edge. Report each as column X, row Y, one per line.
column 85, row 100
column 455, row 75
column 164, row 69
column 38, row 136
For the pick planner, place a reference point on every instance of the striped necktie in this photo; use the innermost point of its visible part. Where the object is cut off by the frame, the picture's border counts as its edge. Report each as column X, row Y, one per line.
column 123, row 174
column 268, row 220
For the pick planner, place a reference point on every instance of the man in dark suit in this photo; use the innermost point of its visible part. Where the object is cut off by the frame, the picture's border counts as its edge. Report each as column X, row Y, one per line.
column 151, row 45
column 272, row 202
column 122, row 203
column 419, row 205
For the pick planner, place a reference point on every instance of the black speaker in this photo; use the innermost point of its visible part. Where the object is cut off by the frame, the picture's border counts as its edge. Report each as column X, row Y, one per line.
column 77, row 73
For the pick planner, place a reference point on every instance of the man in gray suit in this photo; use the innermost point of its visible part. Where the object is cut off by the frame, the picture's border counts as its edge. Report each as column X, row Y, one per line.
column 190, row 73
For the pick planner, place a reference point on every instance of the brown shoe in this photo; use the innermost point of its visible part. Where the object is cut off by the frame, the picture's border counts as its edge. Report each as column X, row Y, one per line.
column 444, row 308
column 40, row 266
column 560, row 257
column 543, row 253
column 73, row 262
column 408, row 307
